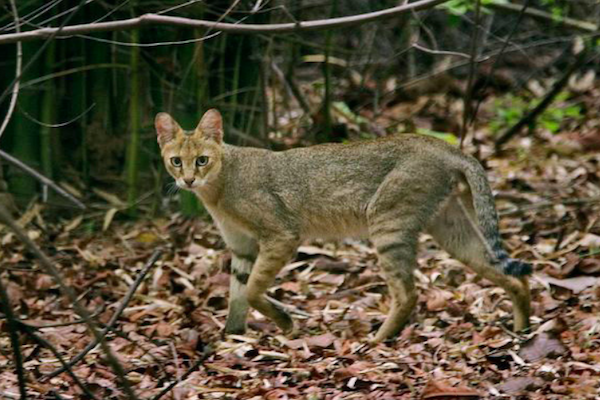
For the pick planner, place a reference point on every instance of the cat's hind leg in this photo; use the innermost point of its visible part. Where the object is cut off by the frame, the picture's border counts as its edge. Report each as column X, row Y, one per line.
column 398, row 213
column 455, row 230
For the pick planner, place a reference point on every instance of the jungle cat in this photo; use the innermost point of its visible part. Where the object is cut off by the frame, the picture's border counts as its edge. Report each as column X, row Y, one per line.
column 389, row 190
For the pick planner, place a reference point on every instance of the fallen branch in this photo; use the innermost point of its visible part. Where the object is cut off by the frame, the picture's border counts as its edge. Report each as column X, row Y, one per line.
column 67, row 291
column 531, row 116
column 19, row 164
column 155, row 19
column 111, row 324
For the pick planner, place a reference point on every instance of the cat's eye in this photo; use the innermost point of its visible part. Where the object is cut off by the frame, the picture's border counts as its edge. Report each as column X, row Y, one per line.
column 201, row 161
column 176, row 161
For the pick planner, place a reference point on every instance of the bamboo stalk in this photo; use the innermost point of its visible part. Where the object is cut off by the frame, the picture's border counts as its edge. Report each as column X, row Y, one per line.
column 133, row 147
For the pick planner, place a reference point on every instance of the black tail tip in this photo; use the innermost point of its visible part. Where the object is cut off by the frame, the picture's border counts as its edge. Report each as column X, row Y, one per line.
column 517, row 267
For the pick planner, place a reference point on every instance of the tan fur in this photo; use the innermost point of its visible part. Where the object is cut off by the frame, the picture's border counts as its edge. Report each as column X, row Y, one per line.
column 389, row 190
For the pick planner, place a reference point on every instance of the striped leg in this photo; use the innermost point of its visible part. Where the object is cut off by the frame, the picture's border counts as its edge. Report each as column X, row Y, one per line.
column 398, row 213
column 241, row 266
column 272, row 257
column 454, row 231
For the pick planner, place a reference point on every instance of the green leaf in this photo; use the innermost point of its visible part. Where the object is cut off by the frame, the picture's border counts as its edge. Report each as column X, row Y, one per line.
column 447, row 137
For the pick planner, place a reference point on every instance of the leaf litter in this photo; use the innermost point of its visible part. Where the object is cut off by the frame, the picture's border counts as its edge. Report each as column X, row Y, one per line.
column 458, row 344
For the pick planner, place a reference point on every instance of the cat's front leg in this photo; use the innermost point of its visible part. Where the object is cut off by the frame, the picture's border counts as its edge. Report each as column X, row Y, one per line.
column 241, row 266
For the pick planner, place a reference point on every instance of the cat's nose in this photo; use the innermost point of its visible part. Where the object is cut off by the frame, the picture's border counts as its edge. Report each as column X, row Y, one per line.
column 189, row 181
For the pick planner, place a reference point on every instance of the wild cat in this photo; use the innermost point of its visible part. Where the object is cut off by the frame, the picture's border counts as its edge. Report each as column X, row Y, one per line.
column 390, row 190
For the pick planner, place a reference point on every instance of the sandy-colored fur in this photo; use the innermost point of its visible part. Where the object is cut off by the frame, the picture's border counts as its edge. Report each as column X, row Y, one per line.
column 389, row 190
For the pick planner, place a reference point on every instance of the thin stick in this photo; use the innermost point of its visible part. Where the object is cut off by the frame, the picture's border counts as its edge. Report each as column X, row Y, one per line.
column 33, row 59
column 154, row 19
column 545, row 16
column 67, row 291
column 205, row 354
column 13, row 330
column 43, row 342
column 531, row 116
column 15, row 90
column 17, row 163
column 111, row 324
column 498, row 58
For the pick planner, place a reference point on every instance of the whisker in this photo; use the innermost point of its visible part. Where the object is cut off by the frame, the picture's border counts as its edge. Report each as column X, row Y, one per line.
column 172, row 188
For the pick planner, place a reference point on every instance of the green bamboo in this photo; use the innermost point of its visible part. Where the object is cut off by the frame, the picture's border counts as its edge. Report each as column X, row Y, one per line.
column 48, row 115
column 23, row 137
column 133, row 147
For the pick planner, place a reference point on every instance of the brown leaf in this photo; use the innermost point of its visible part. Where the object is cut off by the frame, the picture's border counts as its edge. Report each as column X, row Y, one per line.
column 545, row 344
column 437, row 299
column 519, row 384
column 589, row 266
column 441, row 391
column 323, row 341
column 576, row 285
column 164, row 329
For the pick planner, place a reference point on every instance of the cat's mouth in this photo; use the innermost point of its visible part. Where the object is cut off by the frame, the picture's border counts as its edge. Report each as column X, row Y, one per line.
column 190, row 184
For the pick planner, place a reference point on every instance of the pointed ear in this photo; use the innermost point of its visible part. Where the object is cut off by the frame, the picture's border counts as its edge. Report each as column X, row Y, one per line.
column 211, row 125
column 166, row 128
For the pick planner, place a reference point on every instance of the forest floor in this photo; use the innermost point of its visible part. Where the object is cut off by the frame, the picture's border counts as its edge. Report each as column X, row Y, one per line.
column 458, row 344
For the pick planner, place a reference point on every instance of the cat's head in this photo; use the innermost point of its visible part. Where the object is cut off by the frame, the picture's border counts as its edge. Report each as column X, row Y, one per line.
column 193, row 158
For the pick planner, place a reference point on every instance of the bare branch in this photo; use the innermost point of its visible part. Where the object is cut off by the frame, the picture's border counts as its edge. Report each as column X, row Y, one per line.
column 532, row 115
column 155, row 256
column 43, row 342
column 545, row 16
column 205, row 354
column 67, row 291
column 16, row 162
column 154, row 19
column 15, row 90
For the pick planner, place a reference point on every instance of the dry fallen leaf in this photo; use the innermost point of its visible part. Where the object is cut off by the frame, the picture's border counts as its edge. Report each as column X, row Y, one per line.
column 440, row 391
column 544, row 344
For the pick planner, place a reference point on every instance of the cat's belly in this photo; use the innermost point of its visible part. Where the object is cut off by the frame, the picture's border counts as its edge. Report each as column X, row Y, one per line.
column 334, row 226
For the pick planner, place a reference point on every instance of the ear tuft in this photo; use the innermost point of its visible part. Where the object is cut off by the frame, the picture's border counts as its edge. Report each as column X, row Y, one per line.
column 211, row 125
column 166, row 128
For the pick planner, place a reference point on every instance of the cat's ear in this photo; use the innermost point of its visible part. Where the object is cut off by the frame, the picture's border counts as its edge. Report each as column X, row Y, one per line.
column 211, row 125
column 166, row 128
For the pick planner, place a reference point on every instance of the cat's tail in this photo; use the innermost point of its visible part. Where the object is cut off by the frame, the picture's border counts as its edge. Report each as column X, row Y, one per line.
column 487, row 220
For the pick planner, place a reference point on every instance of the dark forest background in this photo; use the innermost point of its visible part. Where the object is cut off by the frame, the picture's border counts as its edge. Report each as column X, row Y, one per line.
column 86, row 106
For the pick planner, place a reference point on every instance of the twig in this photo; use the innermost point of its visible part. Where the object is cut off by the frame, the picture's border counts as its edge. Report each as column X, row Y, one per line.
column 43, row 342
column 33, row 59
column 13, row 330
column 17, row 163
column 205, row 354
column 288, row 83
column 67, row 291
column 545, row 16
column 154, row 19
column 110, row 325
column 15, row 90
column 498, row 58
column 546, row 101
column 439, row 52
